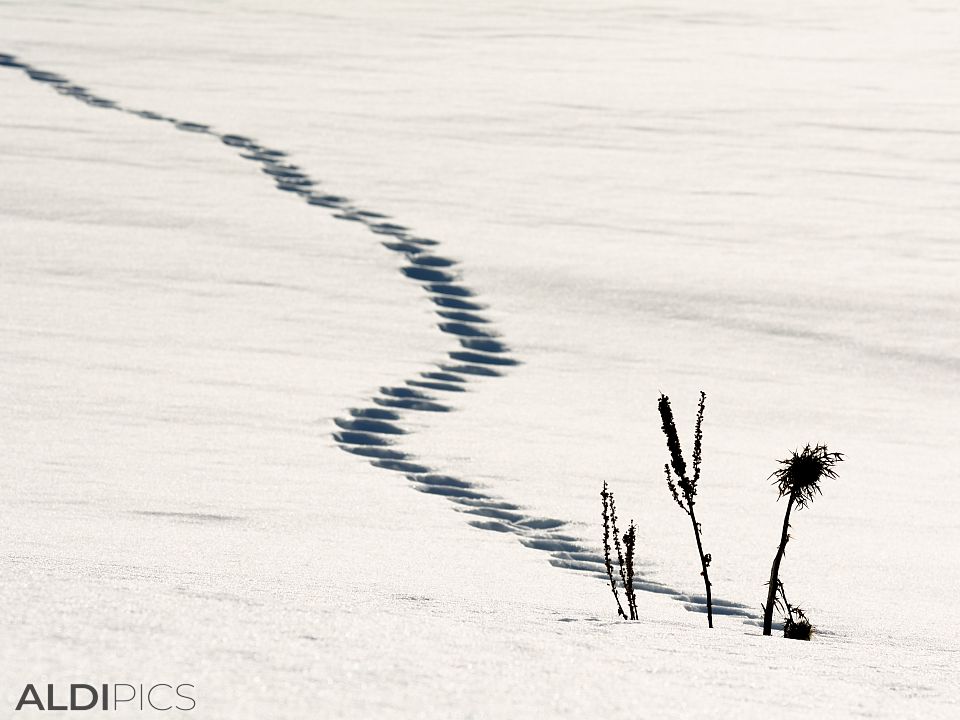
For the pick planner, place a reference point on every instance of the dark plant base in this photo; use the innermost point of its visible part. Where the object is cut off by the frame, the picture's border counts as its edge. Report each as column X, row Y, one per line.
column 797, row 630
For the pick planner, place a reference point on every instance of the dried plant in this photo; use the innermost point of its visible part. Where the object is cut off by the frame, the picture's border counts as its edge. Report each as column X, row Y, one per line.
column 624, row 562
column 797, row 479
column 796, row 625
column 684, row 489
column 630, row 543
column 610, row 525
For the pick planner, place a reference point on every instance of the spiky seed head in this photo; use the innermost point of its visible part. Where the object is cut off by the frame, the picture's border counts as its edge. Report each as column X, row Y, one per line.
column 673, row 444
column 800, row 474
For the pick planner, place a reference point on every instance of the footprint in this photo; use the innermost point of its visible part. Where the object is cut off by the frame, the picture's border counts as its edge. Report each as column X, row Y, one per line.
column 482, row 358
column 463, row 317
column 484, row 345
column 446, row 387
column 403, row 247
column 47, row 77
column 442, row 376
column 192, row 127
column 464, row 329
column 432, row 261
column 375, row 413
column 401, row 466
column 407, row 404
column 426, row 274
column 448, row 289
column 237, row 141
column 350, row 437
column 381, row 427
column 472, row 370
column 457, row 303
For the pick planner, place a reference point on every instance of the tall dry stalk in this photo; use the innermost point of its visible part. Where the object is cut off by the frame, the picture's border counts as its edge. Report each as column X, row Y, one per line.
column 685, row 498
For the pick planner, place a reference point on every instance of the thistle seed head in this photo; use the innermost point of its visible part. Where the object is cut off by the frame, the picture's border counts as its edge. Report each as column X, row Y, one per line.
column 800, row 474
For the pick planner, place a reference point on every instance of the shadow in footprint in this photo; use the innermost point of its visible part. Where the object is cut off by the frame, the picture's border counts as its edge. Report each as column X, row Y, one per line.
column 45, row 77
column 374, row 452
column 370, row 426
column 464, row 329
column 403, row 247
column 401, row 466
column 330, row 201
column 475, row 357
column 410, row 404
column 374, row 413
column 484, row 344
column 444, row 387
column 192, row 127
column 432, row 261
column 463, row 317
column 425, row 274
column 237, row 141
column 443, row 377
column 405, row 392
column 448, row 289
column 360, row 438
column 471, row 370
column 457, row 303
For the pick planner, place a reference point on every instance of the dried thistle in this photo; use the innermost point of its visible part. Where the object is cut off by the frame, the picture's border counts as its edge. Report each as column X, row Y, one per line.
column 801, row 473
column 684, row 490
column 798, row 479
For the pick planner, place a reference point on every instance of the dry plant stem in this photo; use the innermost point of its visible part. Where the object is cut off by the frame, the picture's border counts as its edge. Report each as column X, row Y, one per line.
column 616, row 544
column 687, row 488
column 775, row 570
column 630, row 541
column 787, row 607
column 605, row 495
column 703, row 563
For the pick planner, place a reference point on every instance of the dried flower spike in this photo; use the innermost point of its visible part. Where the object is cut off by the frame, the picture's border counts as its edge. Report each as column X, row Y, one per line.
column 684, row 490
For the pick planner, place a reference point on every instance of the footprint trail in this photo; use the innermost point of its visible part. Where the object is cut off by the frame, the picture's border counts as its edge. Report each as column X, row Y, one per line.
column 375, row 431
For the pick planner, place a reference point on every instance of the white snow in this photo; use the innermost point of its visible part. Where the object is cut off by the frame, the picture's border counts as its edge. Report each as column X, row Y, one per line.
column 758, row 199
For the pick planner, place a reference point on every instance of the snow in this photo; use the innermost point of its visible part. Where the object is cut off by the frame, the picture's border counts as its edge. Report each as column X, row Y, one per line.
column 758, row 201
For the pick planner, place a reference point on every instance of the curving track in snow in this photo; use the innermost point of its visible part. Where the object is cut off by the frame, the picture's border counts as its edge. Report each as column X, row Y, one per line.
column 374, row 431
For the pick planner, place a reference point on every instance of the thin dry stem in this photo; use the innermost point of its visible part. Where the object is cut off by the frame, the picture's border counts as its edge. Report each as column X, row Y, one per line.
column 606, row 497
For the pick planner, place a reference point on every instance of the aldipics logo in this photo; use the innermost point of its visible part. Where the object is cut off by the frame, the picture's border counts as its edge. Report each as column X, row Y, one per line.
column 118, row 696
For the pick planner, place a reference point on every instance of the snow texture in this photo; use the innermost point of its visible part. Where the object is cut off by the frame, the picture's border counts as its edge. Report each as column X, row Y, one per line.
column 268, row 268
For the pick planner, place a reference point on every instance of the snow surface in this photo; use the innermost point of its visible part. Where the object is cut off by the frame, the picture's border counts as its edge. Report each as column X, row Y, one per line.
column 759, row 200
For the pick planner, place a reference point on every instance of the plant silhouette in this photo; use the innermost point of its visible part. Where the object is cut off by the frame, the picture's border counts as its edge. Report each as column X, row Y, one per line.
column 798, row 479
column 684, row 490
column 796, row 626
column 624, row 560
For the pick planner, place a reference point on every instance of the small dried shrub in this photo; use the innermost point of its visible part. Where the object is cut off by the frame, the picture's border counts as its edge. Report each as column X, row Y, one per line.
column 624, row 560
